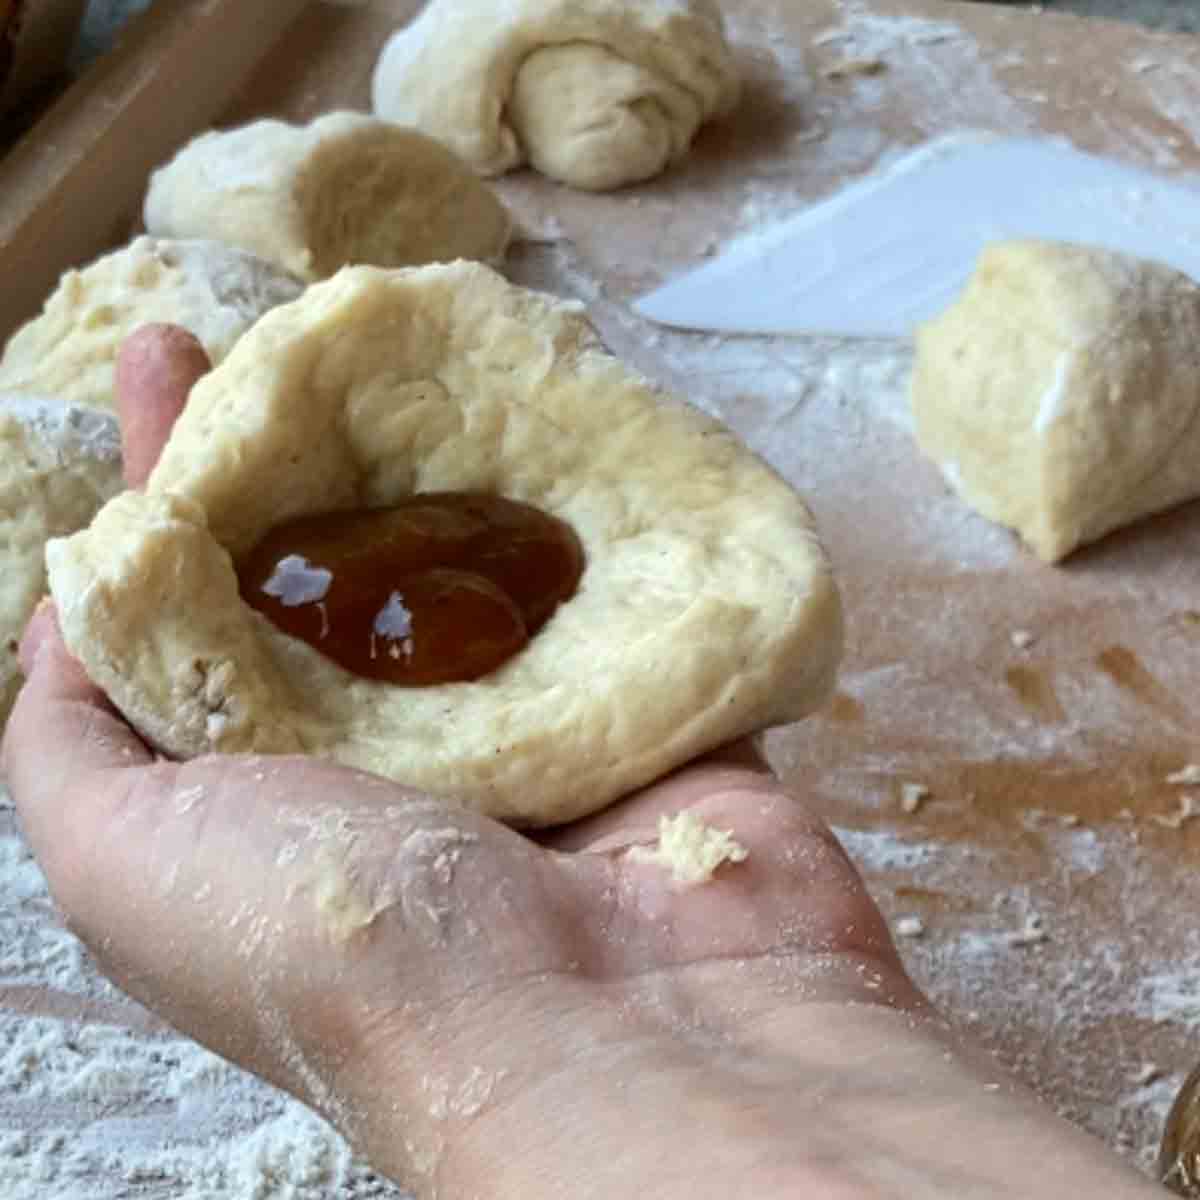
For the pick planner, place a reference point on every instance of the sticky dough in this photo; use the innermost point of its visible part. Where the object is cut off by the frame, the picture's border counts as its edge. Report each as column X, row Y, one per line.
column 595, row 93
column 1060, row 394
column 706, row 609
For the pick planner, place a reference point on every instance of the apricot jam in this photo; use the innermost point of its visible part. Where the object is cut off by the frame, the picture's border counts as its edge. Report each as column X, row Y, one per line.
column 443, row 587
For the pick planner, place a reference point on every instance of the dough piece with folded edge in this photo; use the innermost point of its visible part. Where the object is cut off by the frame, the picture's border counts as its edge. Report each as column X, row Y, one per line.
column 706, row 609
column 70, row 349
column 58, row 464
column 344, row 189
column 1060, row 394
column 594, row 93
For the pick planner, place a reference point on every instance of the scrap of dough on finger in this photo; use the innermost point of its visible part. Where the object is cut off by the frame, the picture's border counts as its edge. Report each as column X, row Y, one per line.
column 1060, row 394
column 690, row 848
column 58, row 464
column 706, row 610
column 594, row 93
column 344, row 189
column 70, row 349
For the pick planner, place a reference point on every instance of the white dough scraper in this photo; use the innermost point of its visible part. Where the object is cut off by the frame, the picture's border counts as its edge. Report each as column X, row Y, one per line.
column 896, row 247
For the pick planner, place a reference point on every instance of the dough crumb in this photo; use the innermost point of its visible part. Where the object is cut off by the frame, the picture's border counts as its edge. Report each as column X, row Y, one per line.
column 1032, row 933
column 912, row 796
column 910, row 927
column 1188, row 775
column 1022, row 639
column 690, row 849
column 1189, row 807
column 849, row 67
column 1147, row 1074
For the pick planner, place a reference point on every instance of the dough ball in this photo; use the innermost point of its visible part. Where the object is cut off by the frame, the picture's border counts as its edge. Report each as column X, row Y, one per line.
column 1060, row 393
column 58, row 464
column 313, row 198
column 706, row 609
column 70, row 350
column 595, row 93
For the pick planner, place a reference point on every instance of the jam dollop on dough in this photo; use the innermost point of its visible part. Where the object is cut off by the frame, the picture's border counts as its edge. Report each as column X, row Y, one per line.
column 706, row 610
column 442, row 587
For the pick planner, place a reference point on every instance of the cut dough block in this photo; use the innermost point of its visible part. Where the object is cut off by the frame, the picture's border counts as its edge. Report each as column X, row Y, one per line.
column 595, row 93
column 70, row 349
column 313, row 198
column 706, row 609
column 58, row 464
column 1060, row 393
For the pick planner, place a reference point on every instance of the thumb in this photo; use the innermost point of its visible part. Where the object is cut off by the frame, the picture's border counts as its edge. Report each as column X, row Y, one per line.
column 156, row 368
column 61, row 737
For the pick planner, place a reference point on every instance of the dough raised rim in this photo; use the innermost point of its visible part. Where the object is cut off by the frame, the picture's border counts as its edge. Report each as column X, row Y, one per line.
column 706, row 611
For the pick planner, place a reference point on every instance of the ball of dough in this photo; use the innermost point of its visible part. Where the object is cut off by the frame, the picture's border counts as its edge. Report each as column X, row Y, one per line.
column 1060, row 393
column 58, row 464
column 706, row 609
column 313, row 198
column 70, row 350
column 595, row 93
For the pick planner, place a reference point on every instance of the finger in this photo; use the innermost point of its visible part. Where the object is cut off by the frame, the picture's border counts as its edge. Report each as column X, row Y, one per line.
column 635, row 820
column 156, row 368
column 62, row 730
column 795, row 887
column 43, row 623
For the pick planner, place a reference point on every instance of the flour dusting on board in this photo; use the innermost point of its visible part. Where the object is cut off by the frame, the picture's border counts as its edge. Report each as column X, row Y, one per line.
column 937, row 63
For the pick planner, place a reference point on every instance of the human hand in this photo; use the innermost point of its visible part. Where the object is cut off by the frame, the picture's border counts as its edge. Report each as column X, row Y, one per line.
column 483, row 1014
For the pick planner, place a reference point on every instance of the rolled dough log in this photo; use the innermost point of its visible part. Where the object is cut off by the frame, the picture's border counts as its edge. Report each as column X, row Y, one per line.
column 706, row 609
column 70, row 349
column 1060, row 393
column 595, row 93
column 313, row 198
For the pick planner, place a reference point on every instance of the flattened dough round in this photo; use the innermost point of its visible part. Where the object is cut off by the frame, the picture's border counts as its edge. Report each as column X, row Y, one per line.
column 595, row 93
column 70, row 349
column 313, row 198
column 58, row 464
column 706, row 609
column 1060, row 393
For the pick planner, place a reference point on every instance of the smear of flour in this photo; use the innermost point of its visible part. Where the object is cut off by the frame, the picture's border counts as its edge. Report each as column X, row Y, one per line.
column 1172, row 87
column 979, row 962
column 936, row 63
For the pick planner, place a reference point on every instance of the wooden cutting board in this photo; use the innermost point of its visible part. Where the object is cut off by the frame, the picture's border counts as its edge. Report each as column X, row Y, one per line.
column 1030, row 715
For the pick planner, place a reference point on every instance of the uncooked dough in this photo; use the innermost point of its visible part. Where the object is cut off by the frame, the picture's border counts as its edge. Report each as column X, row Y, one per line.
column 58, row 464
column 595, row 93
column 70, row 349
column 313, row 198
column 1060, row 393
column 706, row 610
column 690, row 848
